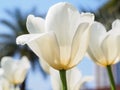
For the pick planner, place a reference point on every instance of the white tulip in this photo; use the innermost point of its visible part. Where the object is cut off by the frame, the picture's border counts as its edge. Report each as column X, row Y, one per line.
column 62, row 38
column 104, row 47
column 15, row 70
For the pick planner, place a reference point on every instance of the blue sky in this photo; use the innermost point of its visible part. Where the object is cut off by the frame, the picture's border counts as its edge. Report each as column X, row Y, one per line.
column 43, row 6
column 36, row 80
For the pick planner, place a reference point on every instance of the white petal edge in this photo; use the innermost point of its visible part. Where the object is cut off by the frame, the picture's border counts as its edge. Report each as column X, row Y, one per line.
column 21, row 70
column 44, row 66
column 35, row 24
column 25, row 62
column 116, row 24
column 24, row 39
column 73, row 77
column 55, row 79
column 87, row 17
column 83, row 80
column 9, row 66
column 110, row 47
column 79, row 44
column 46, row 48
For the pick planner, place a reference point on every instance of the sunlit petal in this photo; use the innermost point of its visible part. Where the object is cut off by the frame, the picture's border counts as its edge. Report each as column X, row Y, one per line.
column 47, row 48
column 110, row 48
column 80, row 43
column 92, row 57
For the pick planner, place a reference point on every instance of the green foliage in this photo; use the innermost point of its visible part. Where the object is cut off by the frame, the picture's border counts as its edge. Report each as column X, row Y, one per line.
column 108, row 13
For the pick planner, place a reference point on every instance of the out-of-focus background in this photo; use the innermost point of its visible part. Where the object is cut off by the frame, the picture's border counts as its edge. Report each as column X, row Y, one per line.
column 13, row 14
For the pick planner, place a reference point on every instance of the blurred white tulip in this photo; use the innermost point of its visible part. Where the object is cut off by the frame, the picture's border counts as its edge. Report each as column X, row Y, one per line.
column 62, row 39
column 104, row 47
column 15, row 70
column 4, row 84
column 75, row 80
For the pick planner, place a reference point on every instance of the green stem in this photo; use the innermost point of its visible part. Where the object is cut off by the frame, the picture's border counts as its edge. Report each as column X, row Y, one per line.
column 111, row 78
column 15, row 86
column 63, row 79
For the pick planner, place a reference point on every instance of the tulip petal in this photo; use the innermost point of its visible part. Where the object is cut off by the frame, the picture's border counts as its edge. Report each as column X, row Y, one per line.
column 47, row 48
column 116, row 30
column 24, row 39
column 14, row 70
column 20, row 74
column 63, row 19
column 4, row 84
column 35, row 24
column 92, row 57
column 116, row 25
column 9, row 67
column 44, row 66
column 55, row 79
column 80, row 43
column 83, row 81
column 110, row 48
column 97, row 33
column 73, row 77
column 86, row 17
column 25, row 62
column 43, row 45
column 21, row 70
